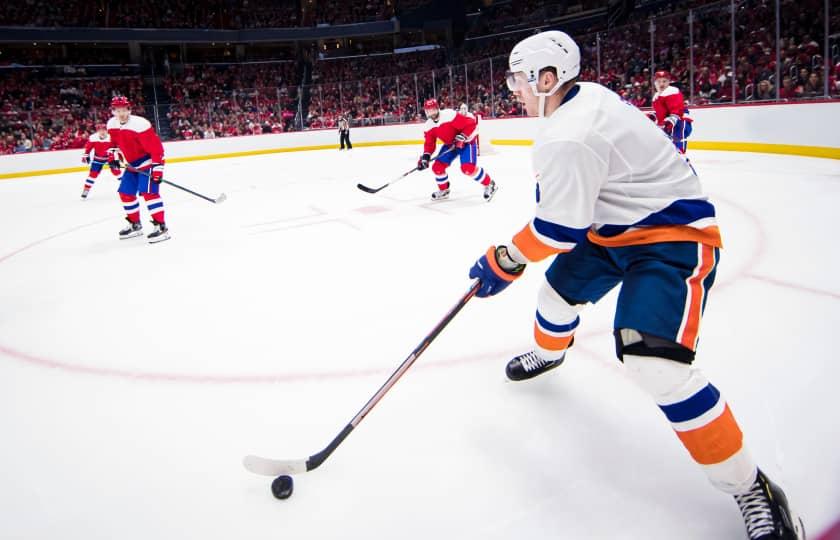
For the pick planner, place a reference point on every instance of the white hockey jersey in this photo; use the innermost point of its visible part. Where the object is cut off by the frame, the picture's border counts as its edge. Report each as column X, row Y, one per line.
column 606, row 172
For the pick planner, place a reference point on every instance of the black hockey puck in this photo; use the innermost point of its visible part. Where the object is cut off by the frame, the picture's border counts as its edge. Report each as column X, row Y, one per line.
column 282, row 487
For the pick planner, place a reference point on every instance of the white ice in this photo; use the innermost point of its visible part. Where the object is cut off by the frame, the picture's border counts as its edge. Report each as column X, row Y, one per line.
column 135, row 377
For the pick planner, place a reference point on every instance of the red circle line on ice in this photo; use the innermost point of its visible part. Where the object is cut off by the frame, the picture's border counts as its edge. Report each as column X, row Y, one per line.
column 35, row 360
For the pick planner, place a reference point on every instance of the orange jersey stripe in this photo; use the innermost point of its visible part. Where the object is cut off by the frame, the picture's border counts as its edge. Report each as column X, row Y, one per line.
column 715, row 442
column 696, row 293
column 666, row 233
column 532, row 247
column 551, row 343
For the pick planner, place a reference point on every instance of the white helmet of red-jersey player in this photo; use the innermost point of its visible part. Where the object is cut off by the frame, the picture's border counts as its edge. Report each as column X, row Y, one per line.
column 533, row 54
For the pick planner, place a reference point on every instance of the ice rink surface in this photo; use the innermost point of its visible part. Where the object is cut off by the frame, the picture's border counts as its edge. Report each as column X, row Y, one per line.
column 135, row 377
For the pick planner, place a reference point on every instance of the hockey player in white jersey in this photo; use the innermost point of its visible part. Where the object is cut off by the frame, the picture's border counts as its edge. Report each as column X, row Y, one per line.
column 618, row 205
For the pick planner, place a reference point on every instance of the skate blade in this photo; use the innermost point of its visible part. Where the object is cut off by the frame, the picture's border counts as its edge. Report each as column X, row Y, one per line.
column 132, row 235
column 161, row 238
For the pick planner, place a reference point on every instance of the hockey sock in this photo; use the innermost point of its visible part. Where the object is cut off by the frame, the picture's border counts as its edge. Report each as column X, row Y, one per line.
column 555, row 324
column 481, row 177
column 131, row 207
column 700, row 417
column 442, row 182
column 155, row 206
column 91, row 179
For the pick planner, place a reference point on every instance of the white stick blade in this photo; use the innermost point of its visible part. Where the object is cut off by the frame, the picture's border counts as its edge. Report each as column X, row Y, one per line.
column 274, row 467
column 221, row 198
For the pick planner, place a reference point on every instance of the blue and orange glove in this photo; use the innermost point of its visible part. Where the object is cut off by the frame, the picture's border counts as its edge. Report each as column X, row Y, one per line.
column 156, row 172
column 489, row 270
column 460, row 141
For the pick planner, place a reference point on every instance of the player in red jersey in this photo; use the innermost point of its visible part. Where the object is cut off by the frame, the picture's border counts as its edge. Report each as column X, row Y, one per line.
column 671, row 114
column 457, row 132
column 137, row 144
column 99, row 143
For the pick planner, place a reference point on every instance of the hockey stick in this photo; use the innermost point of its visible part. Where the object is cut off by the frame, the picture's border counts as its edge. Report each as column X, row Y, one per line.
column 218, row 200
column 394, row 181
column 275, row 467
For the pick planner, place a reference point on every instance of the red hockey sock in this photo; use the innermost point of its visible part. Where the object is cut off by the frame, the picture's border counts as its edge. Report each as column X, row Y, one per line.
column 155, row 205
column 486, row 181
column 131, row 207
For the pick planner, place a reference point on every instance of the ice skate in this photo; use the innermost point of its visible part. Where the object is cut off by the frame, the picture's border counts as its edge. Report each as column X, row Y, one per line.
column 766, row 513
column 440, row 194
column 490, row 190
column 85, row 193
column 160, row 233
column 131, row 230
column 529, row 365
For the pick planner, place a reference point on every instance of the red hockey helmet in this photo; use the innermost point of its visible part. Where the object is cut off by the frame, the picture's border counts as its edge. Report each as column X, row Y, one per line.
column 430, row 103
column 120, row 101
column 662, row 74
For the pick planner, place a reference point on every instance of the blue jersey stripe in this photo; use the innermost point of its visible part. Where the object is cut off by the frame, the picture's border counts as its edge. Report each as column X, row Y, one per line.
column 551, row 327
column 693, row 407
column 678, row 212
column 559, row 232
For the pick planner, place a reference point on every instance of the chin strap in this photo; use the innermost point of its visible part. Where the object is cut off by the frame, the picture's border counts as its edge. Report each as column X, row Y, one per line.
column 543, row 95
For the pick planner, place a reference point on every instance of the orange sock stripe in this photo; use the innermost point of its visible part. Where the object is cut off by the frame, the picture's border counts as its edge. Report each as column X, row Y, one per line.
column 697, row 293
column 715, row 442
column 551, row 343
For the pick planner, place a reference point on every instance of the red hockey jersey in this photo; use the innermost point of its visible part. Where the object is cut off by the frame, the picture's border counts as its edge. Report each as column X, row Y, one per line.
column 137, row 141
column 669, row 103
column 99, row 146
column 449, row 124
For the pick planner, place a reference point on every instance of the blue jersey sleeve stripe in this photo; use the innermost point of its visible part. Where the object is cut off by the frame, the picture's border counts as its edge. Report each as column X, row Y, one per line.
column 694, row 406
column 559, row 232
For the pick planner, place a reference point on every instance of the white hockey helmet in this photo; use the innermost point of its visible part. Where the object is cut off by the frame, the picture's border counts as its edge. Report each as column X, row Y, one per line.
column 463, row 109
column 547, row 49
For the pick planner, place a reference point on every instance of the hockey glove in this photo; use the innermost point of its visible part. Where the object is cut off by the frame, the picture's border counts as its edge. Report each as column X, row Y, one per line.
column 460, row 140
column 86, row 159
column 113, row 159
column 670, row 122
column 423, row 162
column 496, row 270
column 156, row 172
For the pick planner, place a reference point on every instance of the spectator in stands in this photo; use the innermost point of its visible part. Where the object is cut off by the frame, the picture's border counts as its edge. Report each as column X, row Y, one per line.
column 765, row 90
column 789, row 90
column 813, row 86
